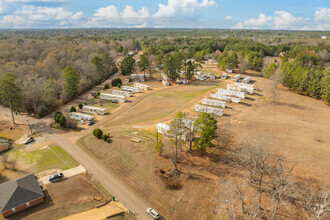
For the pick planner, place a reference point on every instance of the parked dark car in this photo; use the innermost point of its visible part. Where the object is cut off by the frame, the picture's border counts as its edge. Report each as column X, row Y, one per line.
column 91, row 123
column 115, row 101
column 55, row 177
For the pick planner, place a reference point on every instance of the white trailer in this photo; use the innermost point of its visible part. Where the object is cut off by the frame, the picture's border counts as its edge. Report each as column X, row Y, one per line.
column 230, row 92
column 209, row 110
column 237, row 77
column 243, row 87
column 92, row 109
column 163, row 128
column 112, row 97
column 134, row 76
column 214, row 103
column 130, row 89
column 81, row 117
column 199, row 77
column 230, row 98
column 211, row 76
column 120, row 92
column 247, row 79
column 224, row 76
column 141, row 86
column 165, row 83
column 184, row 81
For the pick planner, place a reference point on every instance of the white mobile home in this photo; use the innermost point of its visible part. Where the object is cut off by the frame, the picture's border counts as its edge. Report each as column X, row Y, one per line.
column 211, row 76
column 231, row 98
column 165, row 83
column 120, row 92
column 248, row 88
column 130, row 89
column 81, row 117
column 237, row 77
column 141, row 86
column 134, row 76
column 214, row 103
column 92, row 109
column 224, row 76
column 210, row 110
column 247, row 79
column 119, row 98
column 163, row 128
column 230, row 92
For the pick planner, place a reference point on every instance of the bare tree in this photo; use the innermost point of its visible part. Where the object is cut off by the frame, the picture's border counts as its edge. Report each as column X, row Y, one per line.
column 317, row 201
column 280, row 184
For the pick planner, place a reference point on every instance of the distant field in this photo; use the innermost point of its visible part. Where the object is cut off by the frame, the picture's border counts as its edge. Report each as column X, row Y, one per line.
column 163, row 103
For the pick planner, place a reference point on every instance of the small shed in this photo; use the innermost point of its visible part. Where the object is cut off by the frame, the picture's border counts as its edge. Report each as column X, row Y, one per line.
column 247, row 79
column 224, row 76
column 92, row 109
column 4, row 144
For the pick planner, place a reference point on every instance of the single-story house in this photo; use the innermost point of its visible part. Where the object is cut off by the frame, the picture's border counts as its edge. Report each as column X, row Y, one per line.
column 4, row 144
column 20, row 194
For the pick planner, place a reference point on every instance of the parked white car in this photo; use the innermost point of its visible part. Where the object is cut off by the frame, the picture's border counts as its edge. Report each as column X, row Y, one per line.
column 153, row 213
column 29, row 140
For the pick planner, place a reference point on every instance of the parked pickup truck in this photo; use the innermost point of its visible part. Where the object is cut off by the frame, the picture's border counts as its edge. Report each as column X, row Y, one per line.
column 55, row 177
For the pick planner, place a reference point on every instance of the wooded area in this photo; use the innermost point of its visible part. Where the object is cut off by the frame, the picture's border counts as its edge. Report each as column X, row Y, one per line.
column 52, row 67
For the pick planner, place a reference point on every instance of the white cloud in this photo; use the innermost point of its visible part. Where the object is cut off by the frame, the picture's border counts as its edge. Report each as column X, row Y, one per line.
column 283, row 20
column 323, row 15
column 174, row 7
column 111, row 17
column 280, row 20
column 35, row 16
column 228, row 18
column 262, row 20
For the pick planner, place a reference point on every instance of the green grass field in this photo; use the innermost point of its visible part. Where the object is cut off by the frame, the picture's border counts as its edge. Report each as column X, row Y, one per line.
column 52, row 157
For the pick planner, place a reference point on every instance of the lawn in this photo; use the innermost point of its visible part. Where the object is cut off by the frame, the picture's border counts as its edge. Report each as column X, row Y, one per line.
column 97, row 102
column 163, row 103
column 51, row 157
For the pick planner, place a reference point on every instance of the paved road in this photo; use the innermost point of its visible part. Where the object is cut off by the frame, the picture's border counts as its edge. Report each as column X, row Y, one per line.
column 115, row 186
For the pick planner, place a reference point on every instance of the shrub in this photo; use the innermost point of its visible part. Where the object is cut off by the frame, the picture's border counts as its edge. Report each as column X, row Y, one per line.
column 108, row 140
column 98, row 133
column 97, row 93
column 105, row 137
column 73, row 109
column 116, row 81
column 106, row 86
column 80, row 105
column 59, row 118
column 119, row 85
column 159, row 147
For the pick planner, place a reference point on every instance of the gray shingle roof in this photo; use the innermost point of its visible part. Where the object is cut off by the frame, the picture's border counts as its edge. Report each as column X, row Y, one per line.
column 18, row 192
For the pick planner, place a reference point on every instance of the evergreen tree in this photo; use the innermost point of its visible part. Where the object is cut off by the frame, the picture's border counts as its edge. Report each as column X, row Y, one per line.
column 71, row 82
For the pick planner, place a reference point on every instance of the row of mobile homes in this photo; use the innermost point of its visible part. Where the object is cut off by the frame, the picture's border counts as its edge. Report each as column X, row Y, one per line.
column 163, row 128
column 237, row 77
column 141, row 86
column 121, row 92
column 209, row 110
column 248, row 88
column 230, row 92
column 247, row 79
column 229, row 70
column 112, row 97
column 92, row 109
column 130, row 89
column 81, row 116
column 224, row 76
column 211, row 76
column 214, row 103
column 230, row 98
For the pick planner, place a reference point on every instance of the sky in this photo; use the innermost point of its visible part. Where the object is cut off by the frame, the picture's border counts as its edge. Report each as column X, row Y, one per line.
column 219, row 14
